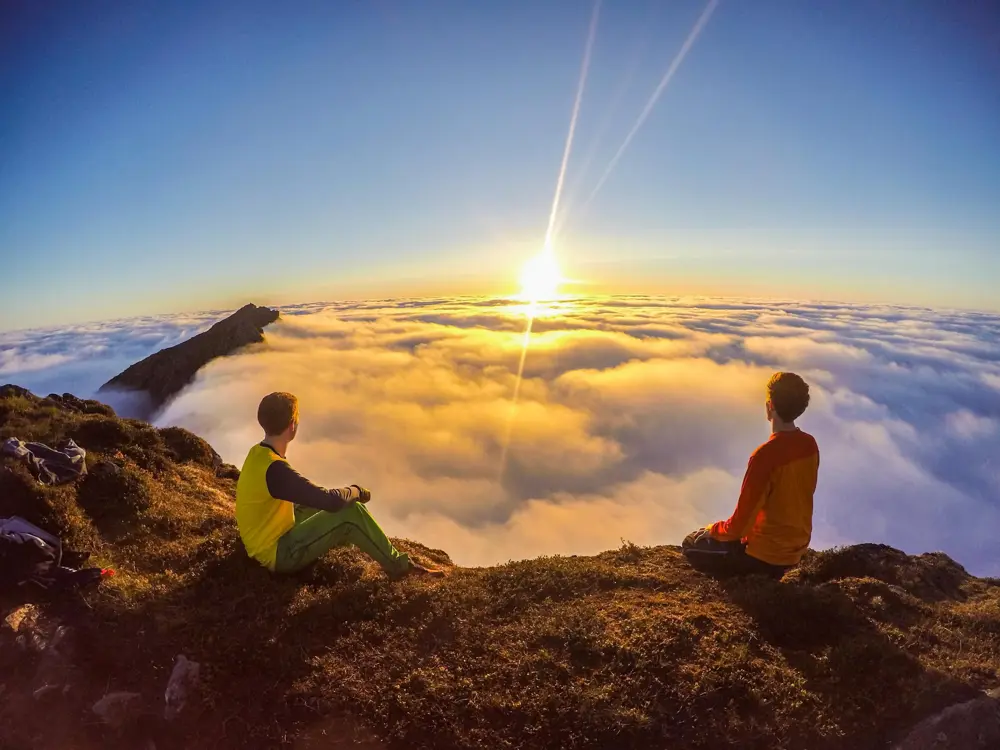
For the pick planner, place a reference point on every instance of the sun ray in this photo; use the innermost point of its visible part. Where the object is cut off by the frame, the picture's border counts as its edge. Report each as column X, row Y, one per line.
column 675, row 64
column 542, row 273
column 505, row 446
column 584, row 68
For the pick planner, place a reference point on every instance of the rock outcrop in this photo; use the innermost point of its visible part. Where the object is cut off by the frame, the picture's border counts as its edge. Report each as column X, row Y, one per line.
column 164, row 374
column 972, row 725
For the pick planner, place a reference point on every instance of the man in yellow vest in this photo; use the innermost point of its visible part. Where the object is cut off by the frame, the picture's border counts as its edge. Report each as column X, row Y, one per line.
column 287, row 522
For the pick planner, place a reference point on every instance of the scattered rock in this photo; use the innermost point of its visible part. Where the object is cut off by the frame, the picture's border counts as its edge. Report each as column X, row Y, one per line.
column 44, row 691
column 184, row 682
column 56, row 665
column 69, row 402
column 973, row 725
column 23, row 618
column 107, row 467
column 118, row 709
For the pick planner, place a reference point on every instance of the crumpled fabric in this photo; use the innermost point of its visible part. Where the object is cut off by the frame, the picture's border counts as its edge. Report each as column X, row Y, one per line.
column 31, row 555
column 50, row 466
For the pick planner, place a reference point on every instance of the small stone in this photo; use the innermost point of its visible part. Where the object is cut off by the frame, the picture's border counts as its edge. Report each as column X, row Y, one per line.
column 26, row 615
column 973, row 725
column 184, row 681
column 104, row 468
column 116, row 709
column 56, row 664
column 44, row 691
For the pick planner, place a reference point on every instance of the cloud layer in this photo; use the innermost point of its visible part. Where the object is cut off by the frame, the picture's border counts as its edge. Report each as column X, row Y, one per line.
column 635, row 417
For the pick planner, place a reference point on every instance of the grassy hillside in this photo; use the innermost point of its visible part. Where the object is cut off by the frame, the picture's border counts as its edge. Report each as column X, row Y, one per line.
column 627, row 649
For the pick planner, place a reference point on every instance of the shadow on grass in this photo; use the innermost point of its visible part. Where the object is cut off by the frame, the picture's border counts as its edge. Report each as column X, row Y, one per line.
column 846, row 655
column 230, row 617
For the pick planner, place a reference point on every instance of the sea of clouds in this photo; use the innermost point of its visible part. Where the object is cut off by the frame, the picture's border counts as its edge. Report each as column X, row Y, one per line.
column 635, row 417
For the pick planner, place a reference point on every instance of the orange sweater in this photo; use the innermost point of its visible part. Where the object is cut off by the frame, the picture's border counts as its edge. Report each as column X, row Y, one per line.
column 774, row 512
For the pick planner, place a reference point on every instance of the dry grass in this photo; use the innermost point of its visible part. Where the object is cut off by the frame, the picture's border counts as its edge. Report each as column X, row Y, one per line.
column 628, row 649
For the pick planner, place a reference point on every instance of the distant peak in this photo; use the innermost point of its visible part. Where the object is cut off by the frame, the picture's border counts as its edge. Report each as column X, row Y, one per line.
column 164, row 374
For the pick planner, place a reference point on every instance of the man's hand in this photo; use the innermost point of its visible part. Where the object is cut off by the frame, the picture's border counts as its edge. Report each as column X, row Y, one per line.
column 363, row 495
column 698, row 537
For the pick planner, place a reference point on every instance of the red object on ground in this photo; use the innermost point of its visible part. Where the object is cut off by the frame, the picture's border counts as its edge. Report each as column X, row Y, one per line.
column 107, row 573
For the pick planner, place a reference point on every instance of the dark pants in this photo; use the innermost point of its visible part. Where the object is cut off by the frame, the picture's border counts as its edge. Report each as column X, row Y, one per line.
column 726, row 558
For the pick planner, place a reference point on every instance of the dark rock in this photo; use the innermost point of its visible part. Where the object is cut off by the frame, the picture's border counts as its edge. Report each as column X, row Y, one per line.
column 69, row 402
column 973, row 725
column 56, row 665
column 183, row 684
column 27, row 623
column 103, row 468
column 166, row 373
column 118, row 709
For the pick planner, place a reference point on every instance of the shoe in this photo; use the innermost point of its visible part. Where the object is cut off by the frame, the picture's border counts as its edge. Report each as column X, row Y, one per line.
column 416, row 569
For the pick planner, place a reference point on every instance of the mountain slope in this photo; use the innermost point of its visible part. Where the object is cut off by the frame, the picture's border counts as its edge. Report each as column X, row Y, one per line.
column 627, row 649
column 162, row 375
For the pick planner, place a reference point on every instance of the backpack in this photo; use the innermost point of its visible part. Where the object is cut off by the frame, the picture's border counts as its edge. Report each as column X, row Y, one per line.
column 30, row 555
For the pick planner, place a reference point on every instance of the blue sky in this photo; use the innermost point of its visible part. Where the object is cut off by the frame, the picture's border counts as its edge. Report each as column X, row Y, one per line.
column 172, row 156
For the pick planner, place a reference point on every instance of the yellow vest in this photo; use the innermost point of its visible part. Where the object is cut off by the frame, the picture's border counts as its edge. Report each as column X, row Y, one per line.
column 262, row 519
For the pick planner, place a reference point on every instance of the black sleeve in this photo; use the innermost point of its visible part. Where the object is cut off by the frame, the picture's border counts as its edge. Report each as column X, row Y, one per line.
column 285, row 483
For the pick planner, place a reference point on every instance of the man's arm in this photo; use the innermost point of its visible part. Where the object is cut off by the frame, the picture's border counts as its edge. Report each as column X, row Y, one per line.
column 752, row 494
column 285, row 483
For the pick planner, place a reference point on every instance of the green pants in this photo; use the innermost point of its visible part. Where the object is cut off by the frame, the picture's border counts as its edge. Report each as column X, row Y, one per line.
column 317, row 531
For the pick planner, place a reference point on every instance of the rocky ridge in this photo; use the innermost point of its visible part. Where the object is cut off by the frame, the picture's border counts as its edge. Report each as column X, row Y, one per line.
column 164, row 374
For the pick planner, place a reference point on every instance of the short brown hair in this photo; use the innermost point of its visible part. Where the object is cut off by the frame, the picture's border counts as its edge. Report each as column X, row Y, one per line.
column 277, row 411
column 788, row 394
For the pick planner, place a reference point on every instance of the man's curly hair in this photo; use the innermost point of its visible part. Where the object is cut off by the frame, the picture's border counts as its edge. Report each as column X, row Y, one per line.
column 788, row 394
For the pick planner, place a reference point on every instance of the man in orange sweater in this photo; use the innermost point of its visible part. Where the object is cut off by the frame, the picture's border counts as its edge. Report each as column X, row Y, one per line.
column 771, row 527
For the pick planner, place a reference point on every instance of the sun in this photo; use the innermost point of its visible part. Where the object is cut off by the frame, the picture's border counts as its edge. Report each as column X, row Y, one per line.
column 540, row 278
